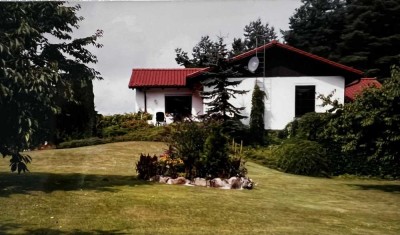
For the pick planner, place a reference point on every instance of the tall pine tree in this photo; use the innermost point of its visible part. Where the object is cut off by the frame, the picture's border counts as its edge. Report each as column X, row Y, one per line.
column 222, row 88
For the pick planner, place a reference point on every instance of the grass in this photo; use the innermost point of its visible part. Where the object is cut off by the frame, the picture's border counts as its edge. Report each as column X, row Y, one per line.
column 92, row 190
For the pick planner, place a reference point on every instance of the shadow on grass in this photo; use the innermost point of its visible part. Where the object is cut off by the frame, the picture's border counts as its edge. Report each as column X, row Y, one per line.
column 10, row 228
column 49, row 182
column 389, row 188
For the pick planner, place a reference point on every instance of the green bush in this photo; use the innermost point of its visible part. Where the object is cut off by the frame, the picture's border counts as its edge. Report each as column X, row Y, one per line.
column 121, row 124
column 113, row 131
column 302, row 157
column 186, row 141
column 82, row 142
column 147, row 166
column 309, row 127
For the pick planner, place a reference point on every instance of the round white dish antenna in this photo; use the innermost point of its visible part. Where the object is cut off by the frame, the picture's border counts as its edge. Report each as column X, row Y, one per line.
column 253, row 64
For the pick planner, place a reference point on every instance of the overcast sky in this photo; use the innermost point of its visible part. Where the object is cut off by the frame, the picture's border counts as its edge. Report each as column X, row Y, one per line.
column 144, row 34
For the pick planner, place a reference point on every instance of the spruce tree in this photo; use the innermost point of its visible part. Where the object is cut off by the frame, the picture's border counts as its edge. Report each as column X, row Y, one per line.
column 371, row 38
column 257, row 116
column 222, row 87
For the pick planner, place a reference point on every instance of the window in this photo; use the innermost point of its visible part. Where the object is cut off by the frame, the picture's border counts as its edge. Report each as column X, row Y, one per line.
column 178, row 106
column 304, row 100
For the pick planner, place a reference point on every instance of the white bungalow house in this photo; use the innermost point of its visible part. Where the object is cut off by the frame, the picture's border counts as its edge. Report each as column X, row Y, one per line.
column 290, row 77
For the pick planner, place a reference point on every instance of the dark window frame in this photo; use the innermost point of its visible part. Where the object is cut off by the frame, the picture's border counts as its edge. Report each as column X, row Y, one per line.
column 178, row 105
column 304, row 99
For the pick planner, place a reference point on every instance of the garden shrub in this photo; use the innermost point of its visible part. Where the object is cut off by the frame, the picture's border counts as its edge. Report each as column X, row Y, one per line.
column 216, row 154
column 187, row 140
column 121, row 124
column 302, row 157
column 170, row 165
column 114, row 131
column 309, row 126
column 147, row 166
column 82, row 142
column 166, row 165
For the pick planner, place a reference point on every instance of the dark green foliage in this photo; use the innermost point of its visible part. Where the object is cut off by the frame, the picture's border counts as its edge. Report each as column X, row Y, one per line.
column 201, row 54
column 83, row 142
column 370, row 40
column 216, row 156
column 360, row 33
column 302, row 157
column 316, row 27
column 147, row 166
column 310, row 126
column 36, row 74
column 255, row 34
column 76, row 120
column 257, row 129
column 204, row 152
column 187, row 142
column 121, row 124
column 367, row 129
column 222, row 87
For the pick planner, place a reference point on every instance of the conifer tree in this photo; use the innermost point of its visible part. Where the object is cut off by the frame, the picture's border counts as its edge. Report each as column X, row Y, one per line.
column 257, row 116
column 363, row 34
column 316, row 27
column 222, row 87
column 255, row 34
column 201, row 54
column 371, row 38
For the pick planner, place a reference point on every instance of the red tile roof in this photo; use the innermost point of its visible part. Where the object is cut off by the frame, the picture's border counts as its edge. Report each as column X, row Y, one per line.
column 177, row 77
column 295, row 50
column 160, row 77
column 355, row 88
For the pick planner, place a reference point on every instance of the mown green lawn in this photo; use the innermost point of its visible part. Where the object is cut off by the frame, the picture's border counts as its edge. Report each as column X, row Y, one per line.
column 93, row 190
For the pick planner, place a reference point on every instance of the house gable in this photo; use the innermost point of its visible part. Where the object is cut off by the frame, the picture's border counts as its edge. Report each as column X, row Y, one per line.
column 281, row 60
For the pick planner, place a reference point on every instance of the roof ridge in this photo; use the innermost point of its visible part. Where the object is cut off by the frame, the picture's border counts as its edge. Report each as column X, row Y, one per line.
column 296, row 50
column 168, row 68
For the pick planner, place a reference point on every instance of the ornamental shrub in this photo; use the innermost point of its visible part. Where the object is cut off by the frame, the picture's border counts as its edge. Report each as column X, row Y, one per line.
column 216, row 154
column 257, row 129
column 187, row 141
column 302, row 157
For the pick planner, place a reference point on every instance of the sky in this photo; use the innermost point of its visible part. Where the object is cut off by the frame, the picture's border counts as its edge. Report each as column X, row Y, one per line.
column 144, row 34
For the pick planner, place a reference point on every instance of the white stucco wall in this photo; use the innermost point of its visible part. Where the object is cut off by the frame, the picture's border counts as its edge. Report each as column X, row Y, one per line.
column 280, row 102
column 279, row 105
column 156, row 100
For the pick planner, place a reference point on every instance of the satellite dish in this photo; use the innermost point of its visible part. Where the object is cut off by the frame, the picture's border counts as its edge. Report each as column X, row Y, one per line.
column 253, row 64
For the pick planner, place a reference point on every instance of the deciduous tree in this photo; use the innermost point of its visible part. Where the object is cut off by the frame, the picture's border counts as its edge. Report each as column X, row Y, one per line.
column 39, row 61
